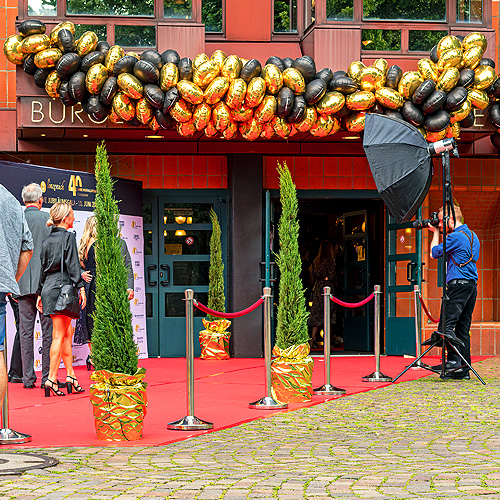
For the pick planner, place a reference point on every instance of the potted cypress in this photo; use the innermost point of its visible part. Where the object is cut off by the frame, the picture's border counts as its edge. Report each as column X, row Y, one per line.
column 291, row 367
column 118, row 394
column 214, row 340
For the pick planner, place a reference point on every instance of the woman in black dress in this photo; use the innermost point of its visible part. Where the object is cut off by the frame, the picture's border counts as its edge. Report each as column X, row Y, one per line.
column 59, row 241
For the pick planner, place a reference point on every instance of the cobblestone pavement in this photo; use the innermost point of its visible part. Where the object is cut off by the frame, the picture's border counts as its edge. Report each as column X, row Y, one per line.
column 424, row 439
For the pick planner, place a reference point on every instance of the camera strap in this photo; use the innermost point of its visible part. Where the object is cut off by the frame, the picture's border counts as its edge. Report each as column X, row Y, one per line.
column 471, row 253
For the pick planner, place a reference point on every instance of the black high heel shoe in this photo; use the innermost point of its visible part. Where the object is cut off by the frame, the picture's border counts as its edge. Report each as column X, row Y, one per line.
column 72, row 383
column 52, row 387
column 89, row 363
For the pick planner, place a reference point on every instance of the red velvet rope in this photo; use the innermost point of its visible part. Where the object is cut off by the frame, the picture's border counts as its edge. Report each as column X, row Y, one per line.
column 352, row 304
column 427, row 310
column 205, row 309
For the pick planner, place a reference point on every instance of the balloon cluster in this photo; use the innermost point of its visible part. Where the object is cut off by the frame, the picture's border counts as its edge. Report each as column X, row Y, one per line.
column 229, row 95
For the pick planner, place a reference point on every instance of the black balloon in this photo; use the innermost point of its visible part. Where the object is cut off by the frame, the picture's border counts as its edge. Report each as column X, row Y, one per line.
column 494, row 114
column 170, row 56
column 315, row 90
column 460, row 38
column 287, row 61
column 466, row 78
column 125, row 65
column 153, row 56
column 29, row 65
column 486, row 61
column 154, row 95
column 412, row 114
column 64, row 94
column 164, row 120
column 277, row 61
column 434, row 102
column 77, row 87
column 67, row 65
column 40, row 76
column 108, row 90
column 468, row 121
column 343, row 84
column 394, row 74
column 146, row 71
column 343, row 112
column 336, row 74
column 394, row 114
column 171, row 97
column 378, row 109
column 285, row 102
column 325, row 74
column 103, row 47
column 424, row 90
column 456, row 97
column 495, row 88
column 135, row 123
column 31, row 27
column 437, row 121
column 89, row 60
column 434, row 54
column 96, row 109
column 298, row 110
column 66, row 41
column 251, row 69
column 306, row 66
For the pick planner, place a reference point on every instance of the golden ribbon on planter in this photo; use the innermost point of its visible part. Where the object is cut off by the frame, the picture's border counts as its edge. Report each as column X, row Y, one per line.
column 214, row 340
column 119, row 403
column 291, row 374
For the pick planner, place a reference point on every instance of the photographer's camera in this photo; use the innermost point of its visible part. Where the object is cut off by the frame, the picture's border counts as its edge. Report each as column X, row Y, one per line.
column 423, row 223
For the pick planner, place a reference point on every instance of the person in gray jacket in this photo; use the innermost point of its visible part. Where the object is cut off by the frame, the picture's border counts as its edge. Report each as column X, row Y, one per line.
column 28, row 284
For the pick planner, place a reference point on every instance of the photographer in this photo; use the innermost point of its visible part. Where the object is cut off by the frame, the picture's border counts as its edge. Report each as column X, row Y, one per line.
column 462, row 251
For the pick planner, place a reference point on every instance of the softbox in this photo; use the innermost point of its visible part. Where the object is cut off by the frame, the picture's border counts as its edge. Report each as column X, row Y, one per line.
column 400, row 162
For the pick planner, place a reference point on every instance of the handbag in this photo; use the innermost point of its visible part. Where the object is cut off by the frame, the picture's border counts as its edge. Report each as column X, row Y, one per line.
column 67, row 302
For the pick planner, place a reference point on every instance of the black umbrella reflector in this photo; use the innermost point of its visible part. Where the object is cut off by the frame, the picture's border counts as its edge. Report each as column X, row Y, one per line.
column 400, row 162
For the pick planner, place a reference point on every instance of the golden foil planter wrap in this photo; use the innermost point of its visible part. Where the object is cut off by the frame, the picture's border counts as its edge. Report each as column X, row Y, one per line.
column 33, row 44
column 478, row 98
column 273, row 77
column 216, row 90
column 293, row 79
column 236, row 93
column 96, row 76
column 169, row 76
column 389, row 98
column 66, row 25
column 409, row 83
column 47, row 58
column 86, row 43
column 448, row 79
column 130, row 85
column 485, row 76
column 115, row 53
column 214, row 340
column 231, row 68
column 330, row 103
column 427, row 69
column 153, row 124
column 11, row 49
column 52, row 84
column 119, row 403
column 291, row 374
column 190, row 92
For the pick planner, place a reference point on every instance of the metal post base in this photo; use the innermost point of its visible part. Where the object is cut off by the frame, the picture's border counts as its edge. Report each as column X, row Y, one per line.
column 267, row 403
column 9, row 436
column 376, row 377
column 419, row 366
column 327, row 389
column 190, row 423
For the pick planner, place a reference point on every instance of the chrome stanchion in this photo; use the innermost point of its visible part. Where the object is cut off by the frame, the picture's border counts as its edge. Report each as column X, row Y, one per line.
column 416, row 293
column 267, row 402
column 327, row 388
column 190, row 422
column 9, row 436
column 377, row 376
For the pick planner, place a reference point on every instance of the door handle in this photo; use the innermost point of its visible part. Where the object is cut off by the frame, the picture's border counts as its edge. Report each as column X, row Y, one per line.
column 411, row 268
column 165, row 267
column 151, row 267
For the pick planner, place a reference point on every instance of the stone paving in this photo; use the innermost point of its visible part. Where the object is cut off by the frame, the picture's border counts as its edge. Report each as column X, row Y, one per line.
column 425, row 439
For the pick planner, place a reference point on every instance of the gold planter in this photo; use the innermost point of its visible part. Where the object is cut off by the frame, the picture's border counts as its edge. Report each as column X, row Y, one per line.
column 214, row 340
column 120, row 404
column 291, row 374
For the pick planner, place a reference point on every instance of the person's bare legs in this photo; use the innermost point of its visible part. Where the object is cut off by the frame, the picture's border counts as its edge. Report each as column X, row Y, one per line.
column 3, row 377
column 67, row 351
column 60, row 326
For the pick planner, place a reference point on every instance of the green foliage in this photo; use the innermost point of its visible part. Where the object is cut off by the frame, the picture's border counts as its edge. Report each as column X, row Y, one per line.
column 292, row 314
column 216, row 298
column 113, row 346
column 424, row 10
column 381, row 39
column 113, row 8
column 211, row 15
column 281, row 16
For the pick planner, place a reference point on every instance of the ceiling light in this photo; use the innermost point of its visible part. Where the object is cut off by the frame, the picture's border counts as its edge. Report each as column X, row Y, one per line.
column 154, row 137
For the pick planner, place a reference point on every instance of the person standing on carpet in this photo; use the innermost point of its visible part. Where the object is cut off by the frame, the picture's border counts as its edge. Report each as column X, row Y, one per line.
column 16, row 249
column 59, row 246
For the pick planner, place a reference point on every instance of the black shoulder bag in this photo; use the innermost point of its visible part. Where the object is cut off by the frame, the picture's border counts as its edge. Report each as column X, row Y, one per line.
column 67, row 302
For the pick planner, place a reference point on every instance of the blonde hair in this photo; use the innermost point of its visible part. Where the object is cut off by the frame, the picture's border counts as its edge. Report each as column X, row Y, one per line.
column 89, row 231
column 58, row 212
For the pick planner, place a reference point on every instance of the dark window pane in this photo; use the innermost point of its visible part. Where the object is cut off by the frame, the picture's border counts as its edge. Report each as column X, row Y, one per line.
column 175, row 306
column 187, row 213
column 148, row 242
column 469, row 11
column 98, row 29
column 177, row 9
column 355, row 224
column 111, row 8
column 190, row 273
column 423, row 41
column 431, row 10
column 339, row 10
column 42, row 8
column 147, row 213
column 149, row 305
column 380, row 40
column 190, row 243
column 285, row 16
column 135, row 36
column 356, row 250
column 211, row 15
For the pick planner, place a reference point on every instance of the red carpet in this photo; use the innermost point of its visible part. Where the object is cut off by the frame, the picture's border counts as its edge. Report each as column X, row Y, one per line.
column 223, row 390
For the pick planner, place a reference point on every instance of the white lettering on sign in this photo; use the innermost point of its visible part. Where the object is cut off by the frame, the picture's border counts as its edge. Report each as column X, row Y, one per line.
column 50, row 114
column 76, row 112
column 34, row 111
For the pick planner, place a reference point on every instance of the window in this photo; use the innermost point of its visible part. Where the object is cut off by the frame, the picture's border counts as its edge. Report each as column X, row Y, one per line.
column 285, row 16
column 383, row 40
column 424, row 40
column 177, row 9
column 42, row 8
column 469, row 11
column 427, row 10
column 339, row 10
column 98, row 29
column 135, row 36
column 110, row 8
column 211, row 15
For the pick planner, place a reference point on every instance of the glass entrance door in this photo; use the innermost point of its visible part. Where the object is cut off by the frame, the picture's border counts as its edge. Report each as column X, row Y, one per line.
column 177, row 257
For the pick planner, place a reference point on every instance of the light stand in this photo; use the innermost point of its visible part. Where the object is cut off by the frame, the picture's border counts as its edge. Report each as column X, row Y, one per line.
column 439, row 339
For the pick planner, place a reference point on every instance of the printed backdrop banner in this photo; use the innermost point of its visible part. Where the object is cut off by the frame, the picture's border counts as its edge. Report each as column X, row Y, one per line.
column 78, row 188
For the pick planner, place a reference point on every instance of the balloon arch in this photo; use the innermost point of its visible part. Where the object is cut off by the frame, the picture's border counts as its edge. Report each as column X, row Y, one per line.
column 228, row 95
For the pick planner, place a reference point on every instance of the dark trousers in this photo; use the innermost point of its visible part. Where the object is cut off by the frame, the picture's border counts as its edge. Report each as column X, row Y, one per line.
column 27, row 316
column 459, row 309
column 16, row 365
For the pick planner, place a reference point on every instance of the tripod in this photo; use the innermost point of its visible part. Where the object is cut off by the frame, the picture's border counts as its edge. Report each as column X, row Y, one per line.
column 443, row 339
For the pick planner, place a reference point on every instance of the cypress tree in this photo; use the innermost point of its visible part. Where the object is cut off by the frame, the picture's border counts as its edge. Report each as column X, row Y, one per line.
column 113, row 345
column 216, row 298
column 292, row 315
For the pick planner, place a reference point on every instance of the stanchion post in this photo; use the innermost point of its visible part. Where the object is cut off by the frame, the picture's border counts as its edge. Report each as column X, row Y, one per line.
column 267, row 402
column 418, row 337
column 327, row 388
column 190, row 422
column 377, row 376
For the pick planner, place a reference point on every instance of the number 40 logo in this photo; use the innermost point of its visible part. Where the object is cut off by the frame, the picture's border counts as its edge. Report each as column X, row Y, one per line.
column 75, row 181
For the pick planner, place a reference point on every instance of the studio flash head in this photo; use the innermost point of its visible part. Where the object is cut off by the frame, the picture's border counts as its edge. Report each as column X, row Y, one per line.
column 439, row 147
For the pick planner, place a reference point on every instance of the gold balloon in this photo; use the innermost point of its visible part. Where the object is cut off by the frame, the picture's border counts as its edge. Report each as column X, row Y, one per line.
column 371, row 78
column 52, row 84
column 86, row 43
column 436, row 136
column 389, row 98
column 323, row 126
column 231, row 68
column 294, row 80
column 267, row 131
column 308, row 120
column 143, row 111
column 273, row 77
column 115, row 53
column 205, row 73
column 130, row 85
column 169, row 76
column 241, row 114
column 281, row 127
column 472, row 56
column 251, row 129
column 427, row 69
column 199, row 60
column 255, row 91
column 461, row 113
column 448, row 79
column 409, row 83
column 485, row 76
column 354, row 70
column 210, row 130
column 190, row 92
column 382, row 65
column 113, row 117
column 236, row 93
column 244, row 61
column 478, row 98
column 123, row 106
column 181, row 112
column 356, row 122
column 360, row 100
column 216, row 90
column 218, row 57
column 33, row 44
column 221, row 116
column 450, row 59
column 475, row 38
column 66, row 25
column 11, row 49
column 231, row 131
column 47, row 58
column 454, row 130
column 133, row 54
column 201, row 115
column 266, row 109
column 186, row 129
column 153, row 124
column 96, row 76
column 446, row 43
column 330, row 103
